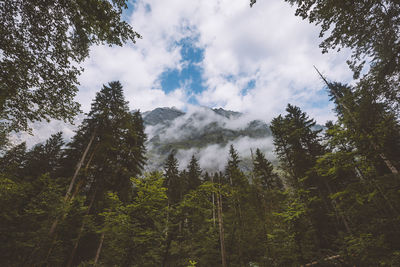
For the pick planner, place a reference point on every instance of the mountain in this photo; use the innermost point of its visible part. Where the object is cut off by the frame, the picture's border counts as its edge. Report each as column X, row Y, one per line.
column 227, row 113
column 161, row 115
column 206, row 133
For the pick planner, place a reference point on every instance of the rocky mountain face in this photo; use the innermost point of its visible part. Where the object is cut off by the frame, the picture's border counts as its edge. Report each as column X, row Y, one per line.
column 161, row 115
column 206, row 133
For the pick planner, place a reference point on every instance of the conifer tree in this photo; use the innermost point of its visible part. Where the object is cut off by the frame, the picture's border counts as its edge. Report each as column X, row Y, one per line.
column 298, row 148
column 263, row 172
column 296, row 143
column 193, row 174
column 109, row 149
column 13, row 162
column 173, row 181
column 174, row 184
column 45, row 158
column 233, row 174
column 117, row 151
column 370, row 123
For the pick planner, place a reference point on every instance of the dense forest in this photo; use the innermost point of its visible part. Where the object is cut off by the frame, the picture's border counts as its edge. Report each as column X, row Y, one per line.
column 333, row 199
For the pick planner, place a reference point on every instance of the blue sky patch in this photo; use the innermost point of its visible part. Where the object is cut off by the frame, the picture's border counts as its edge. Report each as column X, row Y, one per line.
column 190, row 75
column 250, row 85
column 320, row 99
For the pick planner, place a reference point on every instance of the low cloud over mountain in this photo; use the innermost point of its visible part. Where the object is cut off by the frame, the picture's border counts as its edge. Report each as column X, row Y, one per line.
column 206, row 133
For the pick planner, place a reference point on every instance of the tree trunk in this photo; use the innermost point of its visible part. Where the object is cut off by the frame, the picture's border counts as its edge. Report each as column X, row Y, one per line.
column 72, row 256
column 78, row 166
column 96, row 259
column 213, row 202
column 71, row 184
column 221, row 230
column 166, row 254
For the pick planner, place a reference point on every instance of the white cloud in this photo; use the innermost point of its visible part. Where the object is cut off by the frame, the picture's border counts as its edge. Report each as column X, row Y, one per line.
column 197, row 122
column 269, row 44
column 215, row 157
column 41, row 131
column 266, row 43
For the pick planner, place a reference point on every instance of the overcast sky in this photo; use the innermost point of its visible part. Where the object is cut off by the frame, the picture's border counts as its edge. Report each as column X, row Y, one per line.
column 218, row 53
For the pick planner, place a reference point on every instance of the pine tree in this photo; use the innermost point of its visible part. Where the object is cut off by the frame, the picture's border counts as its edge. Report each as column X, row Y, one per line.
column 296, row 143
column 117, row 152
column 193, row 174
column 13, row 162
column 175, row 186
column 233, row 173
column 263, row 172
column 173, row 181
column 298, row 148
column 109, row 149
column 45, row 158
column 370, row 123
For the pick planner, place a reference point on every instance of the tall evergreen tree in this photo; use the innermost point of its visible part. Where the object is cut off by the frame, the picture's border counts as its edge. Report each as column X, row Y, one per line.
column 296, row 143
column 193, row 173
column 173, row 181
column 298, row 148
column 263, row 172
column 117, row 152
column 109, row 149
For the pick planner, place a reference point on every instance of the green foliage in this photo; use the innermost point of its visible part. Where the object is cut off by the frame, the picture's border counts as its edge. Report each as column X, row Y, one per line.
column 43, row 42
column 117, row 152
column 192, row 263
column 27, row 209
column 263, row 173
column 134, row 232
column 193, row 174
column 173, row 181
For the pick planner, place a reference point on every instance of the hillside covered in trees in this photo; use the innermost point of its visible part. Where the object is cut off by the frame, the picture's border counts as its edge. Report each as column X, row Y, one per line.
column 333, row 198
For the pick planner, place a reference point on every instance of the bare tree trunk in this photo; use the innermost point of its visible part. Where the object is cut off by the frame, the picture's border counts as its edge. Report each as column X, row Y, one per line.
column 167, row 238
column 72, row 256
column 78, row 166
column 213, row 202
column 96, row 259
column 221, row 230
column 71, row 184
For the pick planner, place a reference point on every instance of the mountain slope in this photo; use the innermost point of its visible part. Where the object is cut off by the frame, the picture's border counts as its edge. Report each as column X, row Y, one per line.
column 205, row 132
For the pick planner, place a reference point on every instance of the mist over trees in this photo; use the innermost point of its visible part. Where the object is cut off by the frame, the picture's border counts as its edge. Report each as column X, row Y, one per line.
column 332, row 200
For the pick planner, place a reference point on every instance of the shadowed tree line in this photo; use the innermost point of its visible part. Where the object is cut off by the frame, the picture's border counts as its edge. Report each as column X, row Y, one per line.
column 333, row 199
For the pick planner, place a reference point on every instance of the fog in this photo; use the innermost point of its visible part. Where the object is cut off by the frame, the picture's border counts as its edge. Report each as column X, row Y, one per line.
column 197, row 122
column 215, row 157
column 200, row 121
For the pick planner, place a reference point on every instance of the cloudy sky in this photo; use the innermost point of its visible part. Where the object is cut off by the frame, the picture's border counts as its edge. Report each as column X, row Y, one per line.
column 217, row 53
